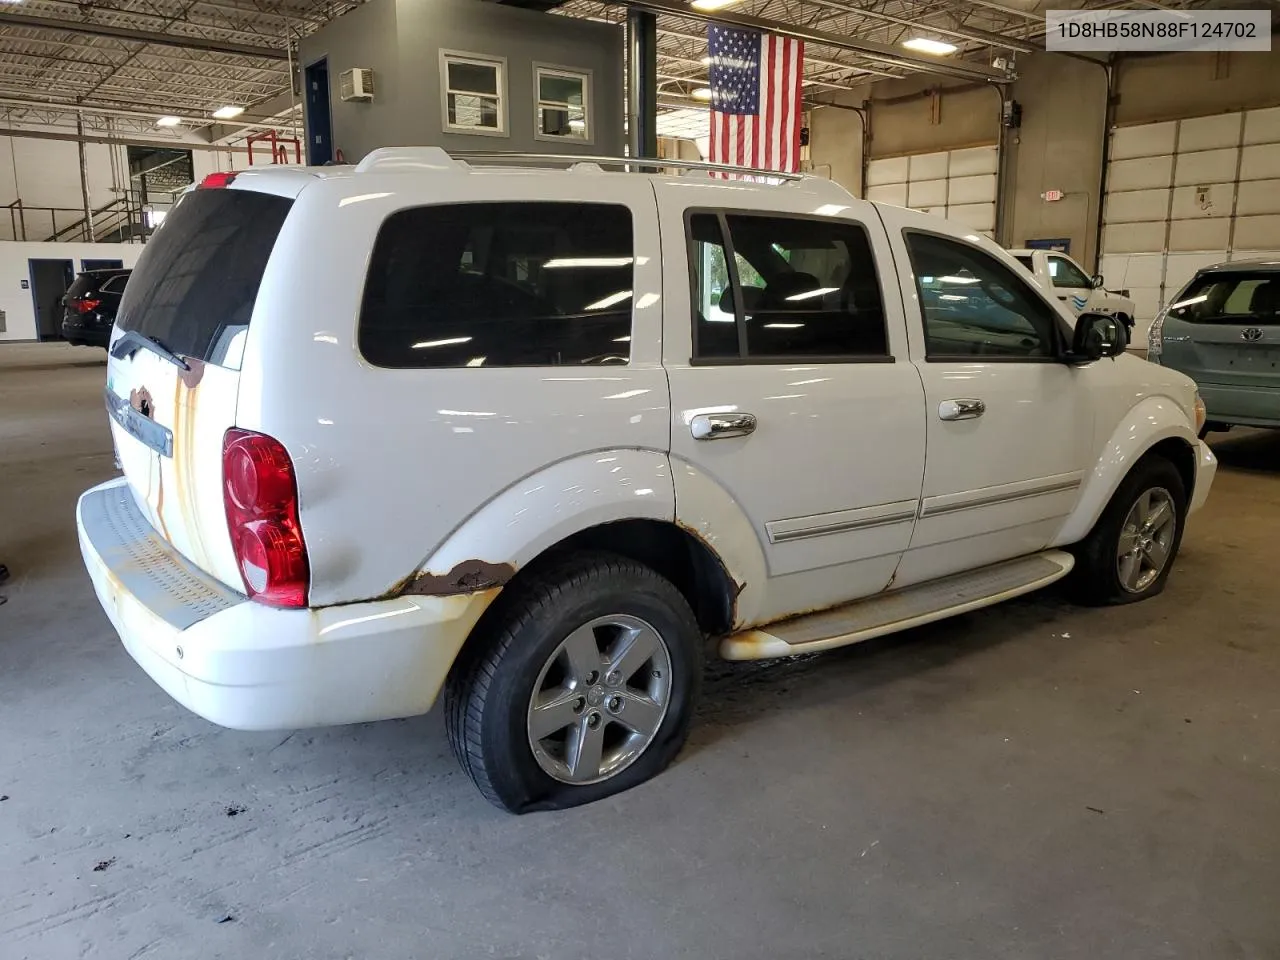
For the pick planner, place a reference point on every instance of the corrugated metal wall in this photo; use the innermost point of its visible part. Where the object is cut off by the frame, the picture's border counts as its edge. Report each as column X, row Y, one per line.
column 1183, row 194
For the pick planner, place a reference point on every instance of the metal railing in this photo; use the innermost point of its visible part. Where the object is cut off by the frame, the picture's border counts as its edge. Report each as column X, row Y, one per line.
column 122, row 219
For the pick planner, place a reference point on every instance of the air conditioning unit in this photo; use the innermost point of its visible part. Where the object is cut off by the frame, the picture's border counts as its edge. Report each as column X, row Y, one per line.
column 356, row 84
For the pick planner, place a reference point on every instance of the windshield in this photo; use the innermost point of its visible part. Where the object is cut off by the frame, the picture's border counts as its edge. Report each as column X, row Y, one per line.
column 195, row 284
column 1248, row 296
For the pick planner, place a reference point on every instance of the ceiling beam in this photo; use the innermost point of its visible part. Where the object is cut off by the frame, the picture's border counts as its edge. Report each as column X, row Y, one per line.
column 966, row 33
column 141, row 36
column 872, row 50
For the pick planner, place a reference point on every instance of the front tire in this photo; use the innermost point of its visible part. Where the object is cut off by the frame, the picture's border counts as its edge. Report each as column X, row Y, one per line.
column 1129, row 553
column 580, row 686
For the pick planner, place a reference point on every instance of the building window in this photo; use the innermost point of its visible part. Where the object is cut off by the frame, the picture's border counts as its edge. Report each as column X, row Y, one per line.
column 474, row 89
column 564, row 104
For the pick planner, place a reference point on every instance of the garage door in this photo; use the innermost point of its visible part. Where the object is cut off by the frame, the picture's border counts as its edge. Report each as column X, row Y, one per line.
column 1187, row 193
column 957, row 184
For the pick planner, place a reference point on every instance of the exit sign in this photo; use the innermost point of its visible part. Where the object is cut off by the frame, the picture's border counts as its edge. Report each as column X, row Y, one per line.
column 1051, row 196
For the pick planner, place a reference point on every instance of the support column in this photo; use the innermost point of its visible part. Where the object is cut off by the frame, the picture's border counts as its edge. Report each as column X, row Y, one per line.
column 84, row 180
column 642, row 82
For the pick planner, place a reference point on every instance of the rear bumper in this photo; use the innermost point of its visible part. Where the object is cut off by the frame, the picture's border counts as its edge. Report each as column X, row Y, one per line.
column 77, row 331
column 1206, row 470
column 245, row 665
column 1246, row 406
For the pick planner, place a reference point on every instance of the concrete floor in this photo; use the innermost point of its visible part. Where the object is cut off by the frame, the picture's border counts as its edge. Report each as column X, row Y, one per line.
column 1031, row 781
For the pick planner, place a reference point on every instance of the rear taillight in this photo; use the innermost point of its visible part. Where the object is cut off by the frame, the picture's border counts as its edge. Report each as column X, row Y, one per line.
column 84, row 306
column 1155, row 337
column 260, row 493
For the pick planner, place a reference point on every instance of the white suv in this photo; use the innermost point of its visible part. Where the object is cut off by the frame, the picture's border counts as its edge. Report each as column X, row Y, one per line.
column 532, row 436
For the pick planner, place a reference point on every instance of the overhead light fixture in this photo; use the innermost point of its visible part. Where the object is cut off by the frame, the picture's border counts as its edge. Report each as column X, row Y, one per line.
column 227, row 113
column 446, row 342
column 702, row 93
column 937, row 48
column 706, row 5
column 612, row 300
column 168, row 121
column 813, row 294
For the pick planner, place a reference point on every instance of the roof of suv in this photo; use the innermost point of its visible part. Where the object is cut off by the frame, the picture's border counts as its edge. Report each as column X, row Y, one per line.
column 290, row 180
column 1256, row 266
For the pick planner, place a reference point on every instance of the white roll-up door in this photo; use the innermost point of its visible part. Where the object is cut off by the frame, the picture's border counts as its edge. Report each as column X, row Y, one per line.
column 1183, row 194
column 957, row 184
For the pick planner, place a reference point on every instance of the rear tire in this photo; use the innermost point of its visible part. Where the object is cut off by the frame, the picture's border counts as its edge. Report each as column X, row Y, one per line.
column 1130, row 551
column 581, row 685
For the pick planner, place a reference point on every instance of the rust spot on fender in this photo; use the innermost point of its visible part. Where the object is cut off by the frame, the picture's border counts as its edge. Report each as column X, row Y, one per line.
column 469, row 576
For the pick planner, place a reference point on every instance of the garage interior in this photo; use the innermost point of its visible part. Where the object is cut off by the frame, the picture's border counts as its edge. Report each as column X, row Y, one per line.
column 1035, row 779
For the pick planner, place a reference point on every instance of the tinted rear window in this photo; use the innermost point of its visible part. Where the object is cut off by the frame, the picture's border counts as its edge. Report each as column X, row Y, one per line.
column 1027, row 262
column 1245, row 297
column 500, row 284
column 194, row 286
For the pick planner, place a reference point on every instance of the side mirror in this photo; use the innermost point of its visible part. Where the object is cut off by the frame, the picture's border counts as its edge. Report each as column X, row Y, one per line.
column 1098, row 335
column 1097, row 281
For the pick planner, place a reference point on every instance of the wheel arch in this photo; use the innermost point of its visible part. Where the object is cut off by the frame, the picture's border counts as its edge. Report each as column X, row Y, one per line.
column 1157, row 426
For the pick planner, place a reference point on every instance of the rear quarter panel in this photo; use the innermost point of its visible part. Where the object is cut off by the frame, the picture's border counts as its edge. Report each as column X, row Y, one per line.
column 393, row 463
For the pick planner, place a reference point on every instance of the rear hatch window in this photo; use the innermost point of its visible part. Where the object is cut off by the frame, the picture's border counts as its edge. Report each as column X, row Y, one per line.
column 1232, row 298
column 196, row 282
column 1225, row 329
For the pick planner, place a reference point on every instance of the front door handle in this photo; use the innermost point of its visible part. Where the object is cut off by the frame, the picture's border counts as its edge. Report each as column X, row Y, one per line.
column 961, row 409
column 714, row 426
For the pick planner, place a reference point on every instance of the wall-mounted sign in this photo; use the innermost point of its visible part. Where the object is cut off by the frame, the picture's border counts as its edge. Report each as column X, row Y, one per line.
column 1051, row 196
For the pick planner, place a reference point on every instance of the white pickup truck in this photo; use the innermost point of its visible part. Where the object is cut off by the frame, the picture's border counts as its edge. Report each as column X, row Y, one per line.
column 530, row 438
column 1065, row 279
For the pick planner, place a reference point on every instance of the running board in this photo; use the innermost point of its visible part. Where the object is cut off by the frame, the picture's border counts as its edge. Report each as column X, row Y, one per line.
column 899, row 609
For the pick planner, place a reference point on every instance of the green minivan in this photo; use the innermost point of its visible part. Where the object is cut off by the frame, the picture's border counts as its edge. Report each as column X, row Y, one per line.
column 1223, row 331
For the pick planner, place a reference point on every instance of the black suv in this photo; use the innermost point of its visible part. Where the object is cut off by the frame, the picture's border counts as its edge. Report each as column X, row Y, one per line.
column 91, row 306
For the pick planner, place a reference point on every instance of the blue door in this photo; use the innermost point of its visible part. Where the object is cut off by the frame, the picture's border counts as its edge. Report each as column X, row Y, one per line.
column 319, row 121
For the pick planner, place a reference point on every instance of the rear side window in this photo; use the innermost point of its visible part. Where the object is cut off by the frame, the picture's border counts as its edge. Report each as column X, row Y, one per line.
column 784, row 288
column 500, row 284
column 1027, row 262
column 1230, row 298
column 85, row 283
column 194, row 286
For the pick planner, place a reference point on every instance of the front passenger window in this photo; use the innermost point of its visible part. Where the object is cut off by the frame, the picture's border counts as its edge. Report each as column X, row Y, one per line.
column 975, row 306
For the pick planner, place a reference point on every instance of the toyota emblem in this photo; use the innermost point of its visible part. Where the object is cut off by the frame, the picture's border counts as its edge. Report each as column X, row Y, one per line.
column 1252, row 334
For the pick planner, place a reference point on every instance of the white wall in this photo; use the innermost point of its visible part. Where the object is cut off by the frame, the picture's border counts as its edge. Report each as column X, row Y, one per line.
column 19, row 310
column 48, row 175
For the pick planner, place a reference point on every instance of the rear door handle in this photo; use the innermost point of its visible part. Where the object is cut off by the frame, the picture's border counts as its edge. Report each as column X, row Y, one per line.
column 716, row 426
column 961, row 409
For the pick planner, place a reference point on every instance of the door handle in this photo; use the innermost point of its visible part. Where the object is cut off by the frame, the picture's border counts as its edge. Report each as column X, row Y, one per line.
column 961, row 409
column 714, row 426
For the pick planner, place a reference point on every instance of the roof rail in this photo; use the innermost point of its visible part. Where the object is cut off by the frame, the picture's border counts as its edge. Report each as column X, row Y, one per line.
column 626, row 162
column 436, row 159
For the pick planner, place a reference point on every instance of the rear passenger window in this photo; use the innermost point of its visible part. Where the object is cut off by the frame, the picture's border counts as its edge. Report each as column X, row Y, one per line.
column 784, row 288
column 500, row 284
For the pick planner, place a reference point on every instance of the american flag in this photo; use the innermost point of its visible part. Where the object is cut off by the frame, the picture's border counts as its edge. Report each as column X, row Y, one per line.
column 755, row 98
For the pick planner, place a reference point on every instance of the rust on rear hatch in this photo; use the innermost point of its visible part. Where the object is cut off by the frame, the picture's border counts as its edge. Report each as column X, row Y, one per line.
column 469, row 576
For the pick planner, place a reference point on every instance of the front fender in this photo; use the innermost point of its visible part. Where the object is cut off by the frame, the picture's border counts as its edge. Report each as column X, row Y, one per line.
column 1151, row 420
column 543, row 509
